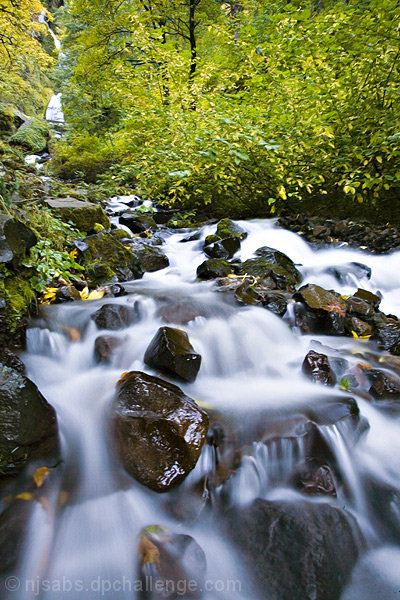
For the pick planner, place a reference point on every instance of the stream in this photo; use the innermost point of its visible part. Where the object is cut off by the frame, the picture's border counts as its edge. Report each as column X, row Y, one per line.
column 86, row 545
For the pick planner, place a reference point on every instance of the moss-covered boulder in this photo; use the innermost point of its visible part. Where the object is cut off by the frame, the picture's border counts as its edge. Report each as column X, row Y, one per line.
column 105, row 257
column 214, row 268
column 272, row 264
column 138, row 222
column 150, row 258
column 84, row 215
column 28, row 424
column 16, row 298
column 9, row 120
column 32, row 136
column 227, row 228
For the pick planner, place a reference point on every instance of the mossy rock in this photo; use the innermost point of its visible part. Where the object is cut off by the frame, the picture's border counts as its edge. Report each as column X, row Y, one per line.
column 105, row 257
column 9, row 121
column 32, row 136
column 16, row 297
column 227, row 228
column 86, row 216
column 214, row 268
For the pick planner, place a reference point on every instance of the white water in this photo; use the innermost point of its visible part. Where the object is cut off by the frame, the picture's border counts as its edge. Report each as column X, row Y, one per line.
column 251, row 371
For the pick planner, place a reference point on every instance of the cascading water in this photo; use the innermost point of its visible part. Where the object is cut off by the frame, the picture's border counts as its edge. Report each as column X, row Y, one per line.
column 84, row 545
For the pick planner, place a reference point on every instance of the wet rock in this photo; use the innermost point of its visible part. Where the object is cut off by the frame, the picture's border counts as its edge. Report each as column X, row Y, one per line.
column 315, row 479
column 385, row 386
column 317, row 367
column 104, row 348
column 224, row 248
column 150, row 258
column 272, row 264
column 84, row 215
column 178, row 563
column 387, row 335
column 180, row 312
column 171, row 352
column 384, row 505
column 357, row 306
column 191, row 238
column 67, row 293
column 361, row 328
column 115, row 316
column 28, row 424
column 322, row 311
column 228, row 229
column 106, row 257
column 158, row 431
column 6, row 254
column 138, row 222
column 214, row 268
column 373, row 299
column 301, row 551
column 276, row 302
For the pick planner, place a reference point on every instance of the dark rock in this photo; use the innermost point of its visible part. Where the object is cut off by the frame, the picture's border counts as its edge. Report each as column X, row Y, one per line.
column 214, row 268
column 223, row 249
column 115, row 316
column 323, row 310
column 228, row 229
column 301, row 551
column 150, row 258
column 158, row 430
column 272, row 264
column 14, row 521
column 180, row 312
column 373, row 299
column 28, row 424
column 162, row 216
column 191, row 238
column 105, row 256
column 67, row 293
column 104, row 348
column 315, row 479
column 317, row 367
column 276, row 302
column 171, row 352
column 83, row 214
column 385, row 386
column 361, row 328
column 9, row 359
column 358, row 306
column 387, row 335
column 138, row 222
column 18, row 237
column 178, row 564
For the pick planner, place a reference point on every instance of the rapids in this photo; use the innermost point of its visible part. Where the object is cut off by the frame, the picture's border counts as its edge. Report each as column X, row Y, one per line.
column 87, row 548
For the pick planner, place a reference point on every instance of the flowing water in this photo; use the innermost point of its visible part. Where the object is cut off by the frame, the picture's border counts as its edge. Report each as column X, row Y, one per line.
column 86, row 545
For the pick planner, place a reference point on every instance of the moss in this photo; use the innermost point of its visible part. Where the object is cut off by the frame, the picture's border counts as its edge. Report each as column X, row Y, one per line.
column 7, row 120
column 106, row 257
column 32, row 136
column 15, row 290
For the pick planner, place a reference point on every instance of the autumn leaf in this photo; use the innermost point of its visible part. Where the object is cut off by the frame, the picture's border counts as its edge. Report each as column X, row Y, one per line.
column 360, row 337
column 40, row 475
column 96, row 295
column 335, row 307
column 85, row 293
column 25, row 496
column 148, row 551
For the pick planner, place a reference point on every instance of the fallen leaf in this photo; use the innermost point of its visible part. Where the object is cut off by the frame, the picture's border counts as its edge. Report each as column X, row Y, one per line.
column 24, row 496
column 40, row 475
column 148, row 551
column 85, row 293
column 96, row 295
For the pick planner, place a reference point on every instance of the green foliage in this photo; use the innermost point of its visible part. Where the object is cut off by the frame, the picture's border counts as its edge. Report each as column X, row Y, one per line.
column 48, row 226
column 291, row 103
column 49, row 264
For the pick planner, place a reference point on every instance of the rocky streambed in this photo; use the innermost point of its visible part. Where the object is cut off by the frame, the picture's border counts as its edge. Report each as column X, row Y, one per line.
column 228, row 410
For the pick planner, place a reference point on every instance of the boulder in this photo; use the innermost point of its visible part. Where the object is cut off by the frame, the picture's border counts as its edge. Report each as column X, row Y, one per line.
column 316, row 366
column 10, row 119
column 229, row 229
column 105, row 257
column 14, row 522
column 319, row 310
column 178, row 564
column 138, row 222
column 384, row 385
column 301, row 551
column 386, row 332
column 115, row 316
column 171, row 352
column 224, row 248
column 158, row 431
column 272, row 264
column 214, row 268
column 15, row 238
column 104, row 348
column 150, row 258
column 84, row 215
column 32, row 136
column 28, row 424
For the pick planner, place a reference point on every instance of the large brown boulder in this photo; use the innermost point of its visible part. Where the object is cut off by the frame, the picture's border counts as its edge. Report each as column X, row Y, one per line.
column 84, row 215
column 158, row 431
column 171, row 352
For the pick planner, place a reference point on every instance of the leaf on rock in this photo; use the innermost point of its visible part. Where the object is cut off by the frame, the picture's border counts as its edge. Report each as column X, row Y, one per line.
column 40, row 475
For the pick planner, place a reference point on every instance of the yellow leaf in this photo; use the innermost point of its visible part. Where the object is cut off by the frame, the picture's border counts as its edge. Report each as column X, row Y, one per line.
column 74, row 253
column 282, row 192
column 148, row 551
column 40, row 475
column 24, row 496
column 96, row 295
column 379, row 159
column 355, row 336
column 85, row 293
